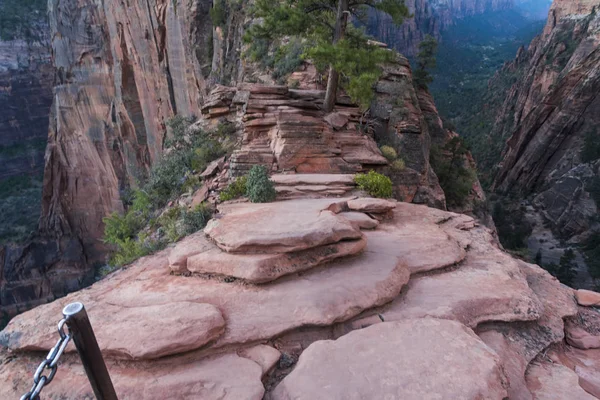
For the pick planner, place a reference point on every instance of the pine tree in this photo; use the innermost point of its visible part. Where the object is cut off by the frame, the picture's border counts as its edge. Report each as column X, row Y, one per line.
column 331, row 40
column 425, row 61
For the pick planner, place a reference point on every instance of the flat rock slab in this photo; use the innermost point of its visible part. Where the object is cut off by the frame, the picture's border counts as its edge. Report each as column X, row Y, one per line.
column 279, row 227
column 227, row 377
column 262, row 268
column 550, row 381
column 412, row 359
column 423, row 247
column 313, row 179
column 360, row 220
column 585, row 363
column 376, row 206
column 587, row 297
column 481, row 289
column 320, row 298
column 152, row 331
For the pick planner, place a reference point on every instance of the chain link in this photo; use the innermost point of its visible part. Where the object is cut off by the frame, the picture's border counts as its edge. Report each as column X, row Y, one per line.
column 50, row 363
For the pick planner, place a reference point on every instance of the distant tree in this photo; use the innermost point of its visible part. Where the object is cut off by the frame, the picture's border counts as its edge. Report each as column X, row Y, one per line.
column 567, row 268
column 425, row 61
column 538, row 257
column 331, row 40
column 22, row 19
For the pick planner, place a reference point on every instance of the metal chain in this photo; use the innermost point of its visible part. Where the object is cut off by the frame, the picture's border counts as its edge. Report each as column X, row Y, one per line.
column 50, row 363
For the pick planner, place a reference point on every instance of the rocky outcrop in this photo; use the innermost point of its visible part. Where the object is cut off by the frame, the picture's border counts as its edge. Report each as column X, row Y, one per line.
column 473, row 314
column 549, row 120
column 430, row 17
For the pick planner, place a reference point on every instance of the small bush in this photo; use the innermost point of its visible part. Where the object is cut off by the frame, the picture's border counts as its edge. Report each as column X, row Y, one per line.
column 389, row 153
column 235, row 189
column 259, row 187
column 218, row 13
column 196, row 219
column 398, row 165
column 377, row 185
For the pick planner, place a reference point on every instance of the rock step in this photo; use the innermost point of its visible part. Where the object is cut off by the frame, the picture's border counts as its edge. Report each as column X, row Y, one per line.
column 313, row 179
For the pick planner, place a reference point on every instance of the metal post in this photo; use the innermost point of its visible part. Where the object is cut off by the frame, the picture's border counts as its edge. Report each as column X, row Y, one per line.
column 87, row 347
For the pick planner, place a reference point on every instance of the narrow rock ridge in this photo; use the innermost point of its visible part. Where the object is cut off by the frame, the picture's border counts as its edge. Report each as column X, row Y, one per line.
column 272, row 294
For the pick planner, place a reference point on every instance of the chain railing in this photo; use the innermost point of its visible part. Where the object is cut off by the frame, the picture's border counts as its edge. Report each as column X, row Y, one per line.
column 80, row 331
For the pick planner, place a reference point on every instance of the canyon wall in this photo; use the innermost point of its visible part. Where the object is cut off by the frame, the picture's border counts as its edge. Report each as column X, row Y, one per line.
column 430, row 17
column 550, row 120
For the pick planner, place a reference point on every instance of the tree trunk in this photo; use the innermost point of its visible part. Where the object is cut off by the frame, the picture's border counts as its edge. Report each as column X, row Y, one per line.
column 341, row 22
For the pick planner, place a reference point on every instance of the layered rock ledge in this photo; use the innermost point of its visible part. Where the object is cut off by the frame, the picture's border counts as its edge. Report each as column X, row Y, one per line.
column 409, row 300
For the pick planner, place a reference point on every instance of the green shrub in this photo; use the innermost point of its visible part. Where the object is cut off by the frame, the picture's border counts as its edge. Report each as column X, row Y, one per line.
column 398, row 165
column 377, row 185
column 389, row 153
column 235, row 189
column 218, row 13
column 121, row 227
column 197, row 218
column 170, row 224
column 259, row 187
column 591, row 147
column 455, row 178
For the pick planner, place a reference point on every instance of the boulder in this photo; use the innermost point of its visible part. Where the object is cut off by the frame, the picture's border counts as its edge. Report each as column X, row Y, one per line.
column 280, row 227
column 551, row 381
column 587, row 297
column 411, row 359
column 369, row 205
column 583, row 330
column 336, row 120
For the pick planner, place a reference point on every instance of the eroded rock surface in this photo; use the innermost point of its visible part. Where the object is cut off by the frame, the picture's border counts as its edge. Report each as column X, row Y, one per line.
column 407, row 365
column 180, row 324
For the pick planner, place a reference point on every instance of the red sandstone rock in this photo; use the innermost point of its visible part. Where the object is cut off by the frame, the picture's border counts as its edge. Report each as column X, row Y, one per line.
column 336, row 120
column 261, row 268
column 284, row 227
column 549, row 381
column 407, row 365
column 369, row 205
column 587, row 297
column 360, row 220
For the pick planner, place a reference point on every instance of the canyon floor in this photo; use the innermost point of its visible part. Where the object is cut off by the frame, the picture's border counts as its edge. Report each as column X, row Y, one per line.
column 325, row 298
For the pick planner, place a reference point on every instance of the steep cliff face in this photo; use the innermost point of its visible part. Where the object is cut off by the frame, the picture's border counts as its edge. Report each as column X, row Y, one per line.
column 550, row 117
column 122, row 69
column 431, row 17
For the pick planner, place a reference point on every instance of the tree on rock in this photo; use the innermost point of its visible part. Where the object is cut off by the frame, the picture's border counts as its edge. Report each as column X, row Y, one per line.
column 330, row 39
column 425, row 61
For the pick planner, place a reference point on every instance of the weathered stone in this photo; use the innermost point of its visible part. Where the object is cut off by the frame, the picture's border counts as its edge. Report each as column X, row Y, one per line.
column 549, row 381
column 261, row 268
column 148, row 332
column 284, row 227
column 189, row 246
column 320, row 297
column 225, row 377
column 583, row 330
column 313, row 179
column 213, row 168
column 369, row 205
column 407, row 365
column 265, row 356
column 360, row 220
column 518, row 344
column 478, row 291
column 336, row 120
column 587, row 297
